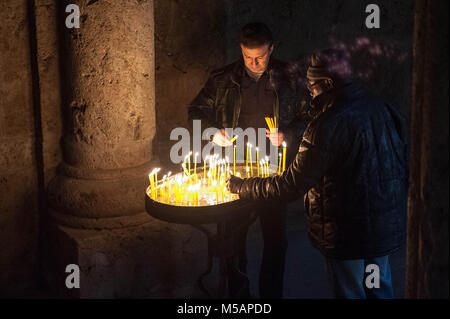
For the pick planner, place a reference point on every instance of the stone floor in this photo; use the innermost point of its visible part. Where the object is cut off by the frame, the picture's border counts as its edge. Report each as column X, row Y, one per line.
column 305, row 269
column 304, row 274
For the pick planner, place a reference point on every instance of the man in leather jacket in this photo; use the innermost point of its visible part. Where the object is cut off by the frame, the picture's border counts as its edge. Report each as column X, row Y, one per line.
column 241, row 95
column 351, row 168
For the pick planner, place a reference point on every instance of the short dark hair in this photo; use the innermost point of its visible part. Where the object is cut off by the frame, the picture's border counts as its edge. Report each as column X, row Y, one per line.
column 255, row 34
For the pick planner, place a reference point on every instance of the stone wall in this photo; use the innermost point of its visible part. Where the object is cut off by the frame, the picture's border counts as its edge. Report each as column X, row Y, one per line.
column 190, row 41
column 194, row 37
column 381, row 58
column 48, row 59
column 18, row 170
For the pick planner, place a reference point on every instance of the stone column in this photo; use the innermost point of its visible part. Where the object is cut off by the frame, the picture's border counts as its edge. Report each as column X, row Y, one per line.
column 96, row 199
column 109, row 115
column 427, row 248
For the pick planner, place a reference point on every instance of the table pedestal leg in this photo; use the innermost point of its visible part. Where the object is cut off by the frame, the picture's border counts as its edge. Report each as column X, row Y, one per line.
column 223, row 245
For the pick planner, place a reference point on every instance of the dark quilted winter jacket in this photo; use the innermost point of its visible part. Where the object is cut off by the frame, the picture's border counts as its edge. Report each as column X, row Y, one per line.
column 352, row 166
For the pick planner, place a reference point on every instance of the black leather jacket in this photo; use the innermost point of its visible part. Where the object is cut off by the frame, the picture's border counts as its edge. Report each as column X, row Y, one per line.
column 218, row 104
column 352, row 165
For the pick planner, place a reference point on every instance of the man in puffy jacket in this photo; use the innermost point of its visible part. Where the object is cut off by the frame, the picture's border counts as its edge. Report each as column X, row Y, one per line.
column 351, row 168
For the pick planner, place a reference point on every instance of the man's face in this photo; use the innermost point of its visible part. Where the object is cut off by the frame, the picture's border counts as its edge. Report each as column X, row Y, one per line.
column 257, row 59
column 317, row 87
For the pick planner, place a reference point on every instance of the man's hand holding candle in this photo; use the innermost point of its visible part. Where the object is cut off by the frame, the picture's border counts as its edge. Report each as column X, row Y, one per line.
column 221, row 138
column 275, row 138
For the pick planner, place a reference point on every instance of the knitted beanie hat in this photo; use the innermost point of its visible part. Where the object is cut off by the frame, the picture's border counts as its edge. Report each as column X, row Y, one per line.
column 329, row 64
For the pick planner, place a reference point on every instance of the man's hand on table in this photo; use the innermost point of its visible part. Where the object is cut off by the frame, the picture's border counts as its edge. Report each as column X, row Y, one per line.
column 234, row 183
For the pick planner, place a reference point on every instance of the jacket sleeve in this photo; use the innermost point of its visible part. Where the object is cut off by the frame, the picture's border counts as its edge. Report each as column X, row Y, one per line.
column 287, row 114
column 307, row 169
column 203, row 105
column 294, row 129
column 399, row 119
column 300, row 120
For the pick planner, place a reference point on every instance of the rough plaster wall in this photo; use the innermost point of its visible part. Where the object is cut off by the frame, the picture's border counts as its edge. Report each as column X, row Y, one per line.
column 189, row 43
column 18, row 178
column 301, row 27
column 49, row 81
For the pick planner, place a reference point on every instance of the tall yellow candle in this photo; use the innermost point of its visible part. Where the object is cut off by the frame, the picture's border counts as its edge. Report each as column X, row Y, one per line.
column 182, row 194
column 196, row 189
column 221, row 192
column 168, row 184
column 189, row 163
column 150, row 179
column 163, row 187
column 234, row 159
column 195, row 162
column 214, row 168
column 248, row 171
column 279, row 163
column 152, row 186
column 156, row 182
column 257, row 160
column 204, row 167
column 284, row 156
column 214, row 184
column 267, row 166
column 167, row 194
column 210, row 172
column 251, row 161
column 246, row 158
column 195, row 166
column 151, row 176
column 209, row 176
column 177, row 191
column 262, row 171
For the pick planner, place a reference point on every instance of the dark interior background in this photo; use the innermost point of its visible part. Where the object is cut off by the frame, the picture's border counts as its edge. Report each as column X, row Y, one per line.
column 193, row 38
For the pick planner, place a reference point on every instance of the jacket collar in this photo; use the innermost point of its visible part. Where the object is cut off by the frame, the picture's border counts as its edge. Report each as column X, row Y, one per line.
column 349, row 91
column 239, row 69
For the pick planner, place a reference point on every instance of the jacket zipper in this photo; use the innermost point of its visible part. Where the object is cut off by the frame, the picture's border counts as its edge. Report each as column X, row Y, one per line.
column 276, row 107
column 237, row 112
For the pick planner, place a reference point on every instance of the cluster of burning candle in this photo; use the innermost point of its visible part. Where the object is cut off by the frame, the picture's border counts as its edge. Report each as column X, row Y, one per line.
column 207, row 186
column 192, row 187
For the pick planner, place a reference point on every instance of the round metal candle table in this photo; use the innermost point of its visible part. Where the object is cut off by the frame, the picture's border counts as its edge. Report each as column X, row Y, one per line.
column 223, row 243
